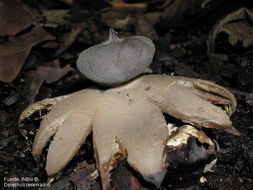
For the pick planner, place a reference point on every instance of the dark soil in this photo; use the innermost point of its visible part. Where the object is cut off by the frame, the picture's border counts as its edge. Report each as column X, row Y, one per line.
column 234, row 168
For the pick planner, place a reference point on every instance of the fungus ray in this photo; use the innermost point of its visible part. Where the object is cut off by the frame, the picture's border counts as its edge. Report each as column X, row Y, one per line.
column 181, row 102
column 182, row 99
column 67, row 141
column 83, row 101
column 141, row 131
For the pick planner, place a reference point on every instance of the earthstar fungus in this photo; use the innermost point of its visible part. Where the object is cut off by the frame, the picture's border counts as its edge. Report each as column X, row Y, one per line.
column 128, row 119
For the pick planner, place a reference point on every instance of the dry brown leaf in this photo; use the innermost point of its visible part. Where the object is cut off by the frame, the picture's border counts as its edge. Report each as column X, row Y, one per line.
column 174, row 14
column 68, row 2
column 238, row 27
column 182, row 69
column 35, row 79
column 14, row 17
column 69, row 38
column 117, row 18
column 241, row 31
column 153, row 17
column 123, row 14
column 123, row 178
column 82, row 177
column 54, row 74
column 181, row 12
column 144, row 28
column 14, row 52
column 121, row 3
column 31, row 60
column 55, row 18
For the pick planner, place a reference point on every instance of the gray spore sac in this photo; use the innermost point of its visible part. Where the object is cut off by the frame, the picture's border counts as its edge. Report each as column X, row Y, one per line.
column 117, row 60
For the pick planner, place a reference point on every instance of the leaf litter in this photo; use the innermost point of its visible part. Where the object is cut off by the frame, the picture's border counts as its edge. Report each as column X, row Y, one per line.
column 14, row 52
column 237, row 25
column 15, row 16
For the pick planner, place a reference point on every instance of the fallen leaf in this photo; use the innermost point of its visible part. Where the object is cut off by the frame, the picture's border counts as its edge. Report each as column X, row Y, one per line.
column 144, row 28
column 54, row 74
column 55, row 18
column 238, row 27
column 62, row 183
column 118, row 18
column 82, row 177
column 175, row 13
column 14, row 17
column 31, row 60
column 182, row 69
column 122, row 14
column 34, row 80
column 68, row 2
column 14, row 52
column 69, row 38
column 123, row 177
column 121, row 3
column 180, row 13
column 153, row 17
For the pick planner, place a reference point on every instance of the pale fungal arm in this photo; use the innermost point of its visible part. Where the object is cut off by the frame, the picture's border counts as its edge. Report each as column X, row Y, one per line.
column 65, row 146
column 187, row 99
column 80, row 102
column 141, row 133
